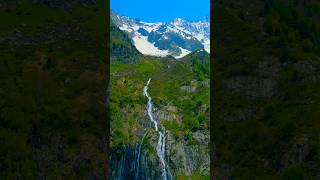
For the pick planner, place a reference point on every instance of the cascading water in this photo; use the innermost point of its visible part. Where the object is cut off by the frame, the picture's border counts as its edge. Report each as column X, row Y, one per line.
column 162, row 139
column 138, row 157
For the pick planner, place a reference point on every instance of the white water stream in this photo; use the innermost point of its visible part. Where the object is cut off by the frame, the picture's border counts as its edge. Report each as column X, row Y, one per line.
column 162, row 139
column 138, row 158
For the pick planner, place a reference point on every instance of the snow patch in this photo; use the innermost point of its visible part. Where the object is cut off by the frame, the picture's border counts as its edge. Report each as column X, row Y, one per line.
column 184, row 52
column 124, row 27
column 196, row 30
column 207, row 45
column 145, row 47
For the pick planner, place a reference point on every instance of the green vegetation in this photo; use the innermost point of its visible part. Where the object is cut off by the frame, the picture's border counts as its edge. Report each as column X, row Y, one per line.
column 266, row 83
column 128, row 102
column 294, row 173
column 179, row 88
column 52, row 76
column 193, row 177
column 121, row 48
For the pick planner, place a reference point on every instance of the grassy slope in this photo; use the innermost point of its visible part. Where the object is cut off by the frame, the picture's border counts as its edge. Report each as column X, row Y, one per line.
column 128, row 102
column 128, row 81
column 52, row 110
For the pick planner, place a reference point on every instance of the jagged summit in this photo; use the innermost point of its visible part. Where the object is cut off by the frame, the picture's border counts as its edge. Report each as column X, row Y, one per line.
column 176, row 38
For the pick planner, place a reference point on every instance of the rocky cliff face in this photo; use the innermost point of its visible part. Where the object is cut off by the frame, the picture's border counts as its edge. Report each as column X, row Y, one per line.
column 177, row 38
column 124, row 164
column 182, row 157
column 188, row 159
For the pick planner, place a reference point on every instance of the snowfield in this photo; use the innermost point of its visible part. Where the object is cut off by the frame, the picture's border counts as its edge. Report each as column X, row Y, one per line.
column 188, row 31
column 145, row 47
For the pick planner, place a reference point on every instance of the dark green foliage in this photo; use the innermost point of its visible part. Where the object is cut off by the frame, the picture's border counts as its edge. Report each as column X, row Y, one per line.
column 121, row 47
column 265, row 80
column 201, row 64
column 52, row 84
column 191, row 123
column 293, row 25
column 293, row 173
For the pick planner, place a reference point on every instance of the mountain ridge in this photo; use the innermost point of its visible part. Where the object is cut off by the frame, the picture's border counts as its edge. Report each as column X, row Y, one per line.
column 176, row 38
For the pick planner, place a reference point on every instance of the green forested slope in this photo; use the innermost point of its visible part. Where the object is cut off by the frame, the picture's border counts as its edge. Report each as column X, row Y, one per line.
column 121, row 47
column 266, row 81
column 52, row 87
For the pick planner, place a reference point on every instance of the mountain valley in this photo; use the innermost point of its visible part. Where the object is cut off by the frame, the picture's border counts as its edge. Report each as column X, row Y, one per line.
column 178, row 91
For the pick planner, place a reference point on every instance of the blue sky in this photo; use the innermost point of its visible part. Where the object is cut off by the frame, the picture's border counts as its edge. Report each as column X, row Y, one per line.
column 162, row 10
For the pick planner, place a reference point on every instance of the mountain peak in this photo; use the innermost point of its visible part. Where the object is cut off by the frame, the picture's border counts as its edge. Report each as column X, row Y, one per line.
column 177, row 38
column 178, row 21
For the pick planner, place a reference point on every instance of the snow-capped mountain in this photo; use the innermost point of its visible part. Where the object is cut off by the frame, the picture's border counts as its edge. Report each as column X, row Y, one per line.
column 176, row 38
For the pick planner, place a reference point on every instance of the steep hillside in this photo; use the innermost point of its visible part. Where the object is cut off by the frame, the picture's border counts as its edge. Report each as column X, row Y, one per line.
column 266, row 90
column 180, row 97
column 121, row 47
column 52, row 87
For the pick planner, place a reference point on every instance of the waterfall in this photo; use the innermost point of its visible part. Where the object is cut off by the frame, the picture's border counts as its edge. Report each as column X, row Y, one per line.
column 138, row 157
column 162, row 139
